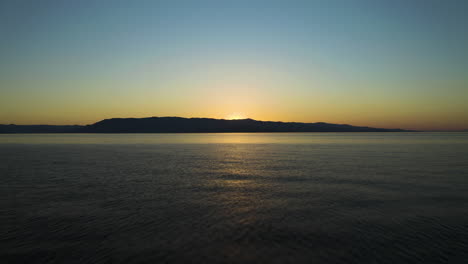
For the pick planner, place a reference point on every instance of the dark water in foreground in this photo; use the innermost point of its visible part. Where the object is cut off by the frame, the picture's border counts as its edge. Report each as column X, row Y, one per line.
column 234, row 198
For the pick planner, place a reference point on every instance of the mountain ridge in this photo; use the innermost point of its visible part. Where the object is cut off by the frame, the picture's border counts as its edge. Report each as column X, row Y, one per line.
column 172, row 124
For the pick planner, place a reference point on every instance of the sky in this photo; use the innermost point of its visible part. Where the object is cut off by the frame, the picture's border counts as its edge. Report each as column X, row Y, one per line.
column 392, row 64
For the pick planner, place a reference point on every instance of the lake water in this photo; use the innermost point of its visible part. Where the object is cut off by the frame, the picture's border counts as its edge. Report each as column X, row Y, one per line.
column 234, row 198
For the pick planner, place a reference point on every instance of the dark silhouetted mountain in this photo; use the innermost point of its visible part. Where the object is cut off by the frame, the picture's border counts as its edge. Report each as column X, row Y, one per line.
column 189, row 125
column 202, row 125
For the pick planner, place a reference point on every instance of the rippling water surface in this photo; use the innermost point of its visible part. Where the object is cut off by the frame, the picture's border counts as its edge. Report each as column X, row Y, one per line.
column 234, row 198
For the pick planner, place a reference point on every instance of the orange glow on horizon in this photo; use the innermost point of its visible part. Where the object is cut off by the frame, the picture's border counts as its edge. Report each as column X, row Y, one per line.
column 234, row 116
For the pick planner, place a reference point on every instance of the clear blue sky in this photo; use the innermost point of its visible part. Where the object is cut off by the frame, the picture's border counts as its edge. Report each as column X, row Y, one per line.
column 377, row 63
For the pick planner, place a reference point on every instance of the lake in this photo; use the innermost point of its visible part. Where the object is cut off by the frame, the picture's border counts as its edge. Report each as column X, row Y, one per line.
column 234, row 198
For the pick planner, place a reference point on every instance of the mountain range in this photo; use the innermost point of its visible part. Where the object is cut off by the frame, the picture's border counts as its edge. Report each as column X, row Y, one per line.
column 189, row 125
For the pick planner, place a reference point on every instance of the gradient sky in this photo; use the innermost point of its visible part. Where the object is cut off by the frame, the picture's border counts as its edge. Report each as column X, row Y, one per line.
column 376, row 63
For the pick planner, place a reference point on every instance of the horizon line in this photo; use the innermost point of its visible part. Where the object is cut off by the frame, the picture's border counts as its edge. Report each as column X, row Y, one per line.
column 240, row 119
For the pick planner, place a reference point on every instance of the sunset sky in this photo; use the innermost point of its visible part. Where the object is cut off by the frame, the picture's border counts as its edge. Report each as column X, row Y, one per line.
column 393, row 64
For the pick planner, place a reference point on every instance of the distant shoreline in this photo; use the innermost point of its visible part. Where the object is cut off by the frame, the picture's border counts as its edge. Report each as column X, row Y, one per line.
column 247, row 132
column 190, row 125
